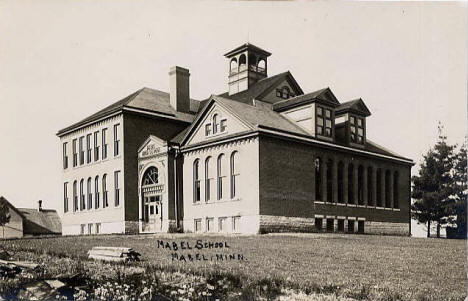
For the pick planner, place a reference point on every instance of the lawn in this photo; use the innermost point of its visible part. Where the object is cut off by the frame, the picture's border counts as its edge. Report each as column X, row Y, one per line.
column 359, row 266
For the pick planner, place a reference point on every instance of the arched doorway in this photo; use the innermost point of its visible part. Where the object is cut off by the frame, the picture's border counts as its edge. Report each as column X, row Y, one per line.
column 151, row 192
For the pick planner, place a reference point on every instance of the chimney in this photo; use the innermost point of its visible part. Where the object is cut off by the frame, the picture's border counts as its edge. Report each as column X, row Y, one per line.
column 179, row 89
column 40, row 205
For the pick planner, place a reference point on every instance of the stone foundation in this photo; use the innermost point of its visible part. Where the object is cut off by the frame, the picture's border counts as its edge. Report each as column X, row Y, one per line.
column 270, row 223
column 387, row 228
column 131, row 227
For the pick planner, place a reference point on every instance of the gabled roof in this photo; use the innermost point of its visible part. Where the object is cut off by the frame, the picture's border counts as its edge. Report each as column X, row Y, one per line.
column 263, row 87
column 10, row 205
column 45, row 221
column 254, row 117
column 145, row 99
column 356, row 106
column 325, row 96
column 245, row 47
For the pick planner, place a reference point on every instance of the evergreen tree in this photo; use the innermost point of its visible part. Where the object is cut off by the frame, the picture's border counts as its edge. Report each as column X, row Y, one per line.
column 459, row 209
column 433, row 187
column 4, row 216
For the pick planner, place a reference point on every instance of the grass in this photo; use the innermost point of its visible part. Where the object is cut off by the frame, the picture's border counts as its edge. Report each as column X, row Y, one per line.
column 356, row 266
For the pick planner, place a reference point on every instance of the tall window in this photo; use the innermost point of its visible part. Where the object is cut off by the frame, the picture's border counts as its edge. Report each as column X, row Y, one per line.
column 234, row 174
column 330, row 181
column 89, row 190
column 318, row 179
column 379, row 187
column 75, row 197
column 340, row 182
column 65, row 156
column 360, row 185
column 396, row 201
column 75, row 154
column 370, row 187
column 96, row 146
column 357, row 129
column 117, row 188
column 104, row 191
column 196, row 181
column 387, row 189
column 96, row 192
column 104, row 143
column 220, row 176
column 81, row 150
column 215, row 123
column 350, row 184
column 82, row 196
column 65, row 197
column 207, row 179
column 116, row 140
column 324, row 122
column 88, row 148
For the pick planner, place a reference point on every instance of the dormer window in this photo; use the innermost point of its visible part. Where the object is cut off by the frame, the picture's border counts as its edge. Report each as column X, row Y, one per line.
column 356, row 125
column 324, row 122
column 284, row 93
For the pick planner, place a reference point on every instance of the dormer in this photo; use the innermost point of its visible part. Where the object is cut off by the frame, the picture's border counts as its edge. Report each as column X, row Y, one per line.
column 350, row 122
column 314, row 112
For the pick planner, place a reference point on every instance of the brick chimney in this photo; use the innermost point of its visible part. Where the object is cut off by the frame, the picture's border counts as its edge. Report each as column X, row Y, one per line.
column 179, row 89
column 39, row 208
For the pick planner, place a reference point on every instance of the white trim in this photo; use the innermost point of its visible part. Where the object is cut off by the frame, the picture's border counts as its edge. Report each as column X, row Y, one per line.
column 318, row 216
column 89, row 123
column 208, row 144
column 167, row 116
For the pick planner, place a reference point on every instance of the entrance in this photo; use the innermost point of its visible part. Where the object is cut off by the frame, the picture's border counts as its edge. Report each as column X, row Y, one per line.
column 151, row 193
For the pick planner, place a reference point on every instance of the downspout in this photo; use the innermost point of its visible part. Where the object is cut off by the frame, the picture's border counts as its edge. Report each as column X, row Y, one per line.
column 176, row 187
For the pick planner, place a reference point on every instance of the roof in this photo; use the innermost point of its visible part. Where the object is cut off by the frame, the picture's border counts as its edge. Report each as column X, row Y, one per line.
column 323, row 95
column 10, row 205
column 247, row 46
column 263, row 86
column 146, row 99
column 357, row 106
column 45, row 221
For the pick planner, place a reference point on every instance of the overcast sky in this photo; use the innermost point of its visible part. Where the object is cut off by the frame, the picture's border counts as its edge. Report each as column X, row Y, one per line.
column 61, row 61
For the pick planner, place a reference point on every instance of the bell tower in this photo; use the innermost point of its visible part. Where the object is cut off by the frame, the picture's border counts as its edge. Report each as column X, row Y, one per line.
column 247, row 65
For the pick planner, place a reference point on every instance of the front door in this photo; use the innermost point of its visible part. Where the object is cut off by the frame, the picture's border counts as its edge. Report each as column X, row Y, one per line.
column 152, row 213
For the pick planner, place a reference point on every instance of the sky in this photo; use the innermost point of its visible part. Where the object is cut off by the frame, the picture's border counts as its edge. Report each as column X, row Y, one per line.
column 61, row 61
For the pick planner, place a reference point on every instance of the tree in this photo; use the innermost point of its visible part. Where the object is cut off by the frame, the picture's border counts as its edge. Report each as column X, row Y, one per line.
column 459, row 208
column 4, row 216
column 433, row 187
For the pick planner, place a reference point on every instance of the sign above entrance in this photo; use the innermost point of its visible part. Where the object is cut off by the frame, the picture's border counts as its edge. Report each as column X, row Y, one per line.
column 151, row 150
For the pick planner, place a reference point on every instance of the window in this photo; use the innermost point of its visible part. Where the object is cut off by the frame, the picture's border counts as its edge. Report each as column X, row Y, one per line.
column 370, row 187
column 81, row 142
column 98, row 228
column 82, row 196
column 318, row 179
column 90, row 194
column 75, row 155
column 222, row 224
column 207, row 180
column 116, row 140
column 75, row 197
column 387, row 189
column 220, row 176
column 356, row 125
column 96, row 146
column 208, row 129
column 90, row 228
column 341, row 182
column 324, row 122
column 197, row 225
column 196, row 181
column 350, row 226
column 96, row 192
column 235, row 223
column 234, row 174
column 215, row 124
column 65, row 197
column 379, row 188
column 65, row 156
column 360, row 185
column 82, row 230
column 209, row 224
column 104, row 144
column 330, row 224
column 396, row 203
column 151, row 176
column 350, row 184
column 329, row 177
column 222, row 126
column 88, row 148
column 104, row 191
column 284, row 93
column 117, row 189
column 341, row 225
column 318, row 224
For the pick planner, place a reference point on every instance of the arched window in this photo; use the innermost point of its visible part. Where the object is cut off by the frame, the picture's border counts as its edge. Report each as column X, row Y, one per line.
column 233, row 66
column 215, row 123
column 396, row 201
column 360, row 185
column 379, row 187
column 234, row 174
column 387, row 189
column 196, row 181
column 318, row 179
column 207, row 179
column 105, row 202
column 151, row 176
column 82, row 195
column 220, row 175
column 75, row 196
column 340, row 182
column 96, row 192
column 330, row 181
column 370, row 187
column 242, row 62
column 350, row 184
column 261, row 66
column 90, row 194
